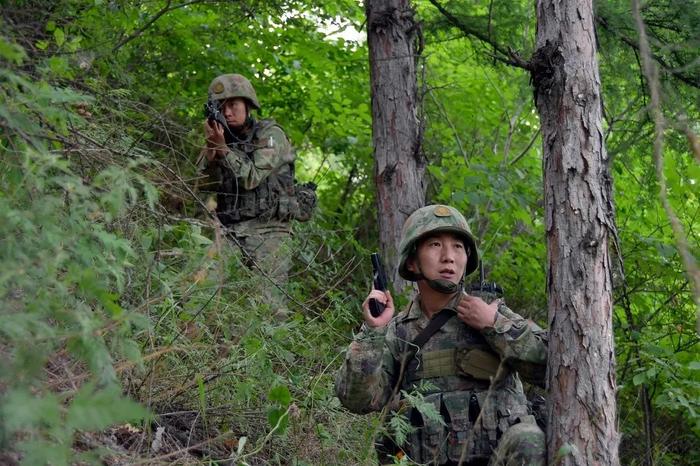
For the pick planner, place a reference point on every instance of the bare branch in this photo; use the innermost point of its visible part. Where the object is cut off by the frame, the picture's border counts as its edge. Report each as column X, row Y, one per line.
column 168, row 8
column 503, row 54
column 689, row 80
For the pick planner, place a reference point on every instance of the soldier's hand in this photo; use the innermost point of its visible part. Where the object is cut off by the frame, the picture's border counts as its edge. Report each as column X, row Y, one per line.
column 216, row 141
column 383, row 297
column 474, row 311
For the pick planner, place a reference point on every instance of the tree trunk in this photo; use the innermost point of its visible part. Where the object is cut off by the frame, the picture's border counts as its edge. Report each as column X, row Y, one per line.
column 648, row 426
column 581, row 411
column 399, row 166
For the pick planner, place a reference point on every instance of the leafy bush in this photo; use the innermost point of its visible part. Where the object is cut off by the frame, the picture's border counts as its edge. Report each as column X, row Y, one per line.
column 65, row 266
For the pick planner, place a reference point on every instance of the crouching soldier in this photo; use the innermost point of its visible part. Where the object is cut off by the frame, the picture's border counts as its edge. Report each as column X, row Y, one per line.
column 249, row 165
column 471, row 352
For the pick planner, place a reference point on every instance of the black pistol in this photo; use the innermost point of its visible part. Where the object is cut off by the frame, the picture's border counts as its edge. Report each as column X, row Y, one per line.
column 379, row 279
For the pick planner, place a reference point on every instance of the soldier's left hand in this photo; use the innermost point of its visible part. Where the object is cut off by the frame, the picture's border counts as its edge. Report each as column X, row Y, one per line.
column 474, row 311
column 216, row 141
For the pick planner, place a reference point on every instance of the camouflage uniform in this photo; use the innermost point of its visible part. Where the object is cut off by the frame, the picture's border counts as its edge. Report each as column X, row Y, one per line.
column 254, row 186
column 458, row 362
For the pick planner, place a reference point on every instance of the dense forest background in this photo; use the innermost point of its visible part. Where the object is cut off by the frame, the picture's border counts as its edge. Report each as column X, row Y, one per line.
column 133, row 334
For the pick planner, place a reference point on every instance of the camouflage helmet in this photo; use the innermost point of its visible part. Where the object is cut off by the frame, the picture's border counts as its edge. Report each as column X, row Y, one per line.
column 434, row 219
column 228, row 86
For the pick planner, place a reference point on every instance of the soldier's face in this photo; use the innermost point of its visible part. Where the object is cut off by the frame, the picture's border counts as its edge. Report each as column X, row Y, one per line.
column 235, row 112
column 440, row 257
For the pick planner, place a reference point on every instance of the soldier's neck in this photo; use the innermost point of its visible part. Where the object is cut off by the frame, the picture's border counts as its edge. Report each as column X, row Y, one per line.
column 243, row 131
column 431, row 301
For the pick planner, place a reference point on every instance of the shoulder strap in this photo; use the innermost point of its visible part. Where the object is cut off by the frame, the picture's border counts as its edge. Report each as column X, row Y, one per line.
column 433, row 326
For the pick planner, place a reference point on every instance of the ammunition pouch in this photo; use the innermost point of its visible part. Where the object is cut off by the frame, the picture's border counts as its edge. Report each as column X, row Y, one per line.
column 537, row 406
column 293, row 201
column 476, row 363
column 386, row 449
column 473, row 363
column 306, row 200
column 238, row 205
column 278, row 197
column 435, row 443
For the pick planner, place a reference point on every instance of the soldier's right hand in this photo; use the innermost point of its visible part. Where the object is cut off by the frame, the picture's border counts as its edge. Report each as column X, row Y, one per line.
column 383, row 297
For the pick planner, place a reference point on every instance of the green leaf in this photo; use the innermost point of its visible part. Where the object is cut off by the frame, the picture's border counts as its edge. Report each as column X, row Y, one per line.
column 59, row 36
column 202, row 393
column 11, row 52
column 23, row 410
column 38, row 452
column 252, row 345
column 277, row 417
column 400, row 427
column 201, row 240
column 639, row 379
column 281, row 395
column 94, row 409
column 131, row 350
column 426, row 409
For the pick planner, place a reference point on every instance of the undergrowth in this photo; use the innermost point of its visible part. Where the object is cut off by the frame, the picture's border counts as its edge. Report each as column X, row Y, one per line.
column 132, row 332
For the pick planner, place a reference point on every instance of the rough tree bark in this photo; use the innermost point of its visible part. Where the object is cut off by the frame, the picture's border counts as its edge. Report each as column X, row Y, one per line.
column 399, row 166
column 581, row 411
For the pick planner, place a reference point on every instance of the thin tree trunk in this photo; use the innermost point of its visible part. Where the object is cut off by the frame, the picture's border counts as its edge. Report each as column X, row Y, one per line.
column 581, row 411
column 648, row 426
column 399, row 164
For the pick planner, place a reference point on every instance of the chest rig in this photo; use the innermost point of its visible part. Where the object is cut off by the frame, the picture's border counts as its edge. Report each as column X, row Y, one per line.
column 270, row 200
column 460, row 367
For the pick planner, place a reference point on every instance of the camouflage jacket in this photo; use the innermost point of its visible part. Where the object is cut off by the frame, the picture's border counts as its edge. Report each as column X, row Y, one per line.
column 255, row 178
column 457, row 361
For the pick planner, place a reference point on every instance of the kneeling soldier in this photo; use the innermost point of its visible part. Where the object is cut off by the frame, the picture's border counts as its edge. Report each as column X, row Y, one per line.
column 471, row 352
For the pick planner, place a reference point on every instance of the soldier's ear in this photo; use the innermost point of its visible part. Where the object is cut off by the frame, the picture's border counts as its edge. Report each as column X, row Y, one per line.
column 411, row 264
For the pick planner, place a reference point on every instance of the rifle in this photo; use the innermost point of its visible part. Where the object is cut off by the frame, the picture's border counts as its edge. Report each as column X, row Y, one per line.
column 213, row 113
column 380, row 283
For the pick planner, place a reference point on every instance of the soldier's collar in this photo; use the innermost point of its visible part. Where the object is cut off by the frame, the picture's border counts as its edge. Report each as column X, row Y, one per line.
column 416, row 311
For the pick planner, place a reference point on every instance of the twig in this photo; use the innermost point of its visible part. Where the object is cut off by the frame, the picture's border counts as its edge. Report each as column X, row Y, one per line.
column 452, row 127
column 184, row 450
column 507, row 56
column 168, row 8
column 527, row 148
column 267, row 437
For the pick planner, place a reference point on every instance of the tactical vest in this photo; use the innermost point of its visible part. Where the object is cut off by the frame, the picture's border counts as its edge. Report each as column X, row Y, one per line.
column 460, row 376
column 272, row 199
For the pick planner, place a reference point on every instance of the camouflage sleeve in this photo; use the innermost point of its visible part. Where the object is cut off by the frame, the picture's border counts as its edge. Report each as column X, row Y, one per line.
column 274, row 151
column 365, row 381
column 521, row 343
column 209, row 173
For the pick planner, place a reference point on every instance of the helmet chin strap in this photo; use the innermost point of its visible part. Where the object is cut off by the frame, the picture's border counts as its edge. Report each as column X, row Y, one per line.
column 445, row 286
column 440, row 285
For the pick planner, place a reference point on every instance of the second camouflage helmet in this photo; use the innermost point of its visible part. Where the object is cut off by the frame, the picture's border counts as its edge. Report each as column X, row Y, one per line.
column 434, row 219
column 228, row 86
